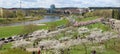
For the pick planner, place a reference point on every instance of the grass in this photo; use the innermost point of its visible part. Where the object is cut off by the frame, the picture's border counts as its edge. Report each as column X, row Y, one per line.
column 99, row 25
column 10, row 31
column 15, row 51
column 15, row 30
column 6, row 46
column 6, row 49
column 85, row 19
column 96, row 25
column 79, row 49
column 57, row 23
column 111, row 49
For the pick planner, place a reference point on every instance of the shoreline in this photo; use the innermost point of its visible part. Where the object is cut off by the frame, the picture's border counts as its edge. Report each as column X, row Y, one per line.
column 27, row 20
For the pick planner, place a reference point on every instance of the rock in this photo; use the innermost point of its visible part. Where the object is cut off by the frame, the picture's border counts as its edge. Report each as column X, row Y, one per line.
column 48, row 43
column 21, row 43
column 1, row 43
column 64, row 38
column 2, row 39
column 83, row 30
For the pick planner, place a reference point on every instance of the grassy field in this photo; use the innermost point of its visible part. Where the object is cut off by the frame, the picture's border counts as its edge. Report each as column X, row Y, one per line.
column 78, row 49
column 15, row 51
column 110, row 49
column 6, row 46
column 15, row 30
column 99, row 26
column 85, row 19
column 10, row 31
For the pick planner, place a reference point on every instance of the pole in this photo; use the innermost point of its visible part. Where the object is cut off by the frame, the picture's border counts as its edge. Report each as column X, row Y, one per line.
column 20, row 4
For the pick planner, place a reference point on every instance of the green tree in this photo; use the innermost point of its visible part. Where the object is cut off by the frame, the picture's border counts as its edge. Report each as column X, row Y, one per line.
column 8, row 14
column 20, row 14
column 116, row 14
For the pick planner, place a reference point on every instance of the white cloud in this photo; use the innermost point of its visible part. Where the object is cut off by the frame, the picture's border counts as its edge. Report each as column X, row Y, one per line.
column 60, row 3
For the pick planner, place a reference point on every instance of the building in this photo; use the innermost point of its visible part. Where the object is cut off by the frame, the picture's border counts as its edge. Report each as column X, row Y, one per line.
column 52, row 9
column 67, row 10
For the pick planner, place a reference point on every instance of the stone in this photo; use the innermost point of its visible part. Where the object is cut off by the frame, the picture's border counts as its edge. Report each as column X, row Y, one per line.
column 83, row 30
column 21, row 43
column 1, row 43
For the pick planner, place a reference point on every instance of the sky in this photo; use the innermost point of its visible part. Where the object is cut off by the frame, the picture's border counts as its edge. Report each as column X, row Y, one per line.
column 59, row 3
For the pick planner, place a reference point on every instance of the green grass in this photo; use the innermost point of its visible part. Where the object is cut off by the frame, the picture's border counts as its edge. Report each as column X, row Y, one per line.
column 10, row 31
column 6, row 46
column 85, row 19
column 15, row 30
column 15, row 51
column 99, row 26
column 79, row 49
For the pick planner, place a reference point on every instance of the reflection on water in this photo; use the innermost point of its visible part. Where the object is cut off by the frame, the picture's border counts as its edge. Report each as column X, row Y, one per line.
column 44, row 20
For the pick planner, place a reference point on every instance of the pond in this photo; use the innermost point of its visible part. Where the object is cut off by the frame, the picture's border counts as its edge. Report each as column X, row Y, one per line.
column 44, row 20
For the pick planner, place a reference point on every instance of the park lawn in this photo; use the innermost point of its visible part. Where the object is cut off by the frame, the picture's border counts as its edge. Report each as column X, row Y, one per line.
column 8, row 31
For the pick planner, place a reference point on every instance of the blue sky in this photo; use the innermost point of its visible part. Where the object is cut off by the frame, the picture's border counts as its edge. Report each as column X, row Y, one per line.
column 59, row 3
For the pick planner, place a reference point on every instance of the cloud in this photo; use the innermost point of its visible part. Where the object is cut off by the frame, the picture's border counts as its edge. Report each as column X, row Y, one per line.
column 60, row 3
column 29, row 0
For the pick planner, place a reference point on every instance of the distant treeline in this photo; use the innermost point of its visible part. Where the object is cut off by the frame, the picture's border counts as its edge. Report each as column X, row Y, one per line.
column 104, row 7
column 21, row 13
column 107, row 13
